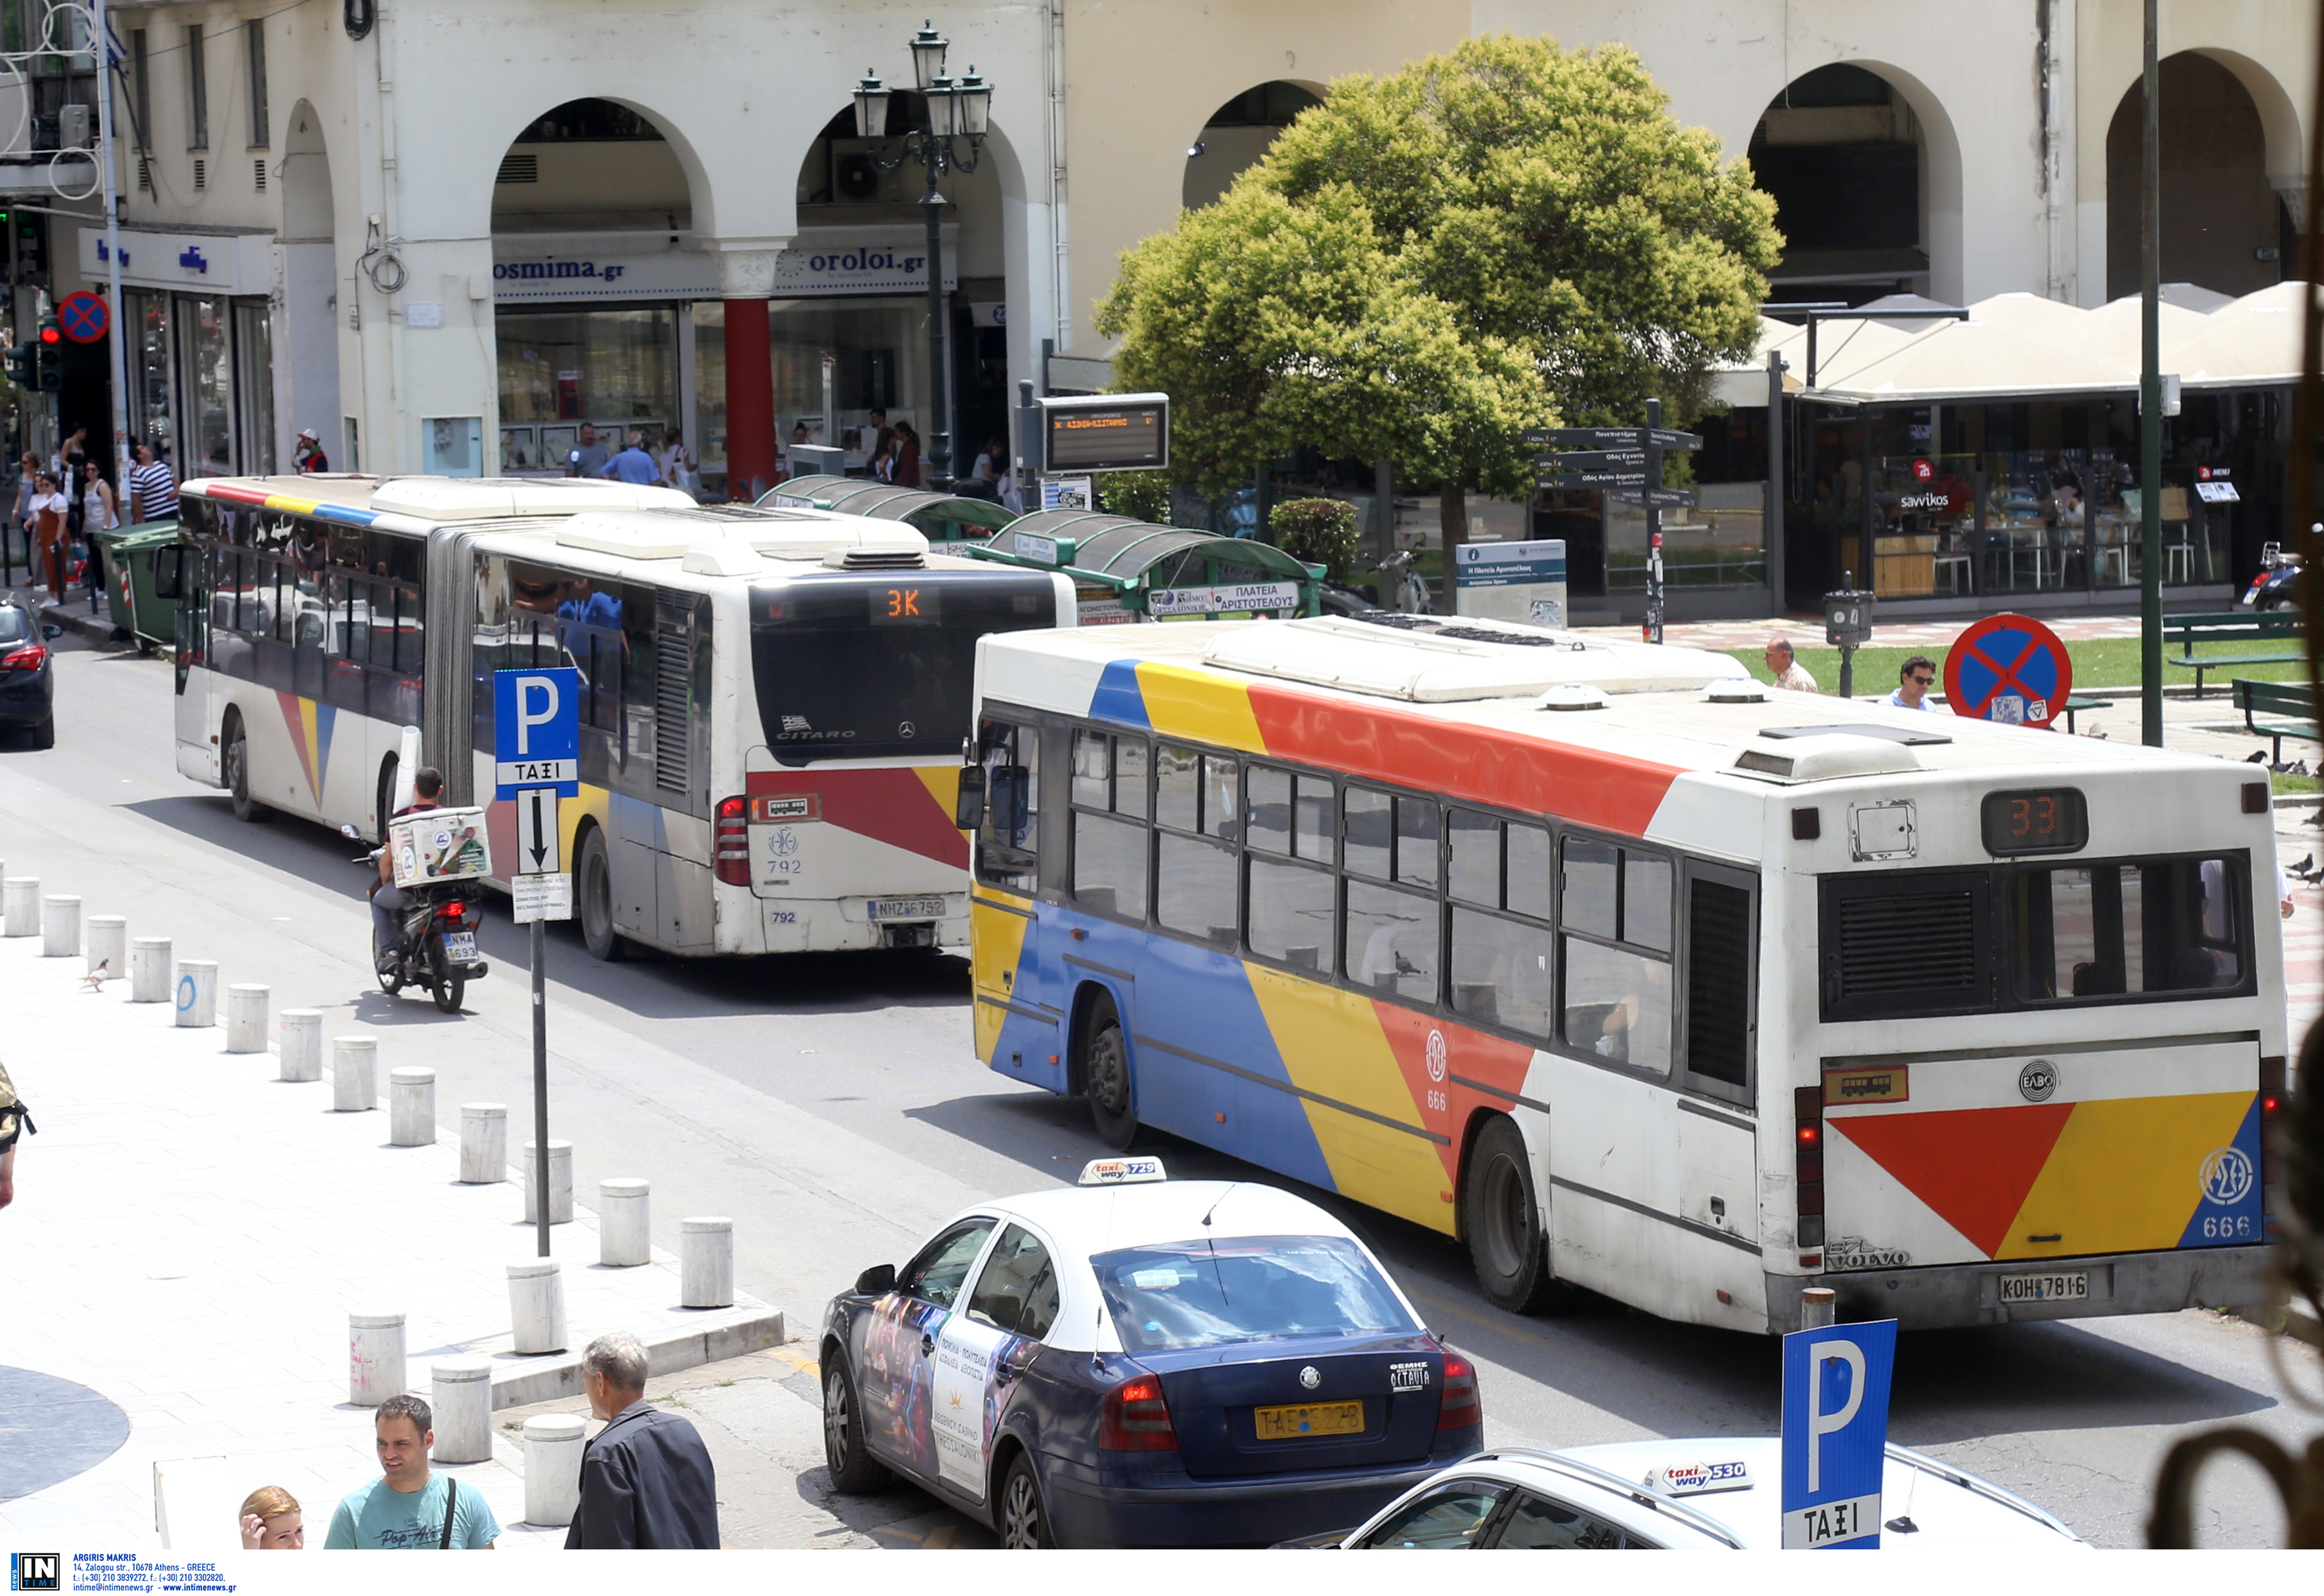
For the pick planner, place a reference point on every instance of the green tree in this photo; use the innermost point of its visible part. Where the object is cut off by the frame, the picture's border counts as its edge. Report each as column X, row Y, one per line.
column 1506, row 235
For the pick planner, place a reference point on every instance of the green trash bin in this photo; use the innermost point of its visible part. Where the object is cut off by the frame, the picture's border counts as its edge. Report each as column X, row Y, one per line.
column 130, row 602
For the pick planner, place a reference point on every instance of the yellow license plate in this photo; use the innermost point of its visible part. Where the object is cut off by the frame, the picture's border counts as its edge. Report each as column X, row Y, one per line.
column 1319, row 1418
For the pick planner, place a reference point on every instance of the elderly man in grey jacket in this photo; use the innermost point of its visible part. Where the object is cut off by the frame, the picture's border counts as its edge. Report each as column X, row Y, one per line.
column 646, row 1479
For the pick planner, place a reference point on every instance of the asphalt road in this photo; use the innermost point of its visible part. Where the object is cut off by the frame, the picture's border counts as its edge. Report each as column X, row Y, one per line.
column 834, row 1107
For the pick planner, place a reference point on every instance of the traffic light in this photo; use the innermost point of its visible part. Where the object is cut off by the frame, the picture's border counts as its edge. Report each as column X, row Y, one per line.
column 49, row 356
column 20, row 370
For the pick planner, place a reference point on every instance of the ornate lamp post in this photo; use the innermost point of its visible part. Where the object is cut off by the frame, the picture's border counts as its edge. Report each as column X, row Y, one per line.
column 959, row 112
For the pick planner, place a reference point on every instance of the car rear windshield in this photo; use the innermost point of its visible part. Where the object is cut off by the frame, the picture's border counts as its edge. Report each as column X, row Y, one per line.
column 1245, row 1288
column 857, row 666
column 16, row 626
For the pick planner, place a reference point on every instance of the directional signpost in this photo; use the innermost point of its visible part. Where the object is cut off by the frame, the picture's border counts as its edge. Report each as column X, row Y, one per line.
column 537, row 748
column 1628, row 463
column 1836, row 1434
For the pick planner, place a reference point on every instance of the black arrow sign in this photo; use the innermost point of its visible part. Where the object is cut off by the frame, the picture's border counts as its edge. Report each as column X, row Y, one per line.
column 1659, row 498
column 540, row 828
column 1610, row 438
column 1592, row 460
column 1591, row 479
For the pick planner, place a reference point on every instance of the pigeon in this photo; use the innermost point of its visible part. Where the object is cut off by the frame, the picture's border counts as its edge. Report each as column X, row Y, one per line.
column 2305, row 866
column 2298, row 768
column 2315, row 819
column 2257, row 756
column 96, row 978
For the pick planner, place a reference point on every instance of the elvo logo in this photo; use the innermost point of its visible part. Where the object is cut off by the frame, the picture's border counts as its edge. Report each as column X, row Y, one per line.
column 36, row 1570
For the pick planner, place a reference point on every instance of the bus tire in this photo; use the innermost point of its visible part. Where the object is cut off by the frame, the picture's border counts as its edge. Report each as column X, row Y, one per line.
column 593, row 885
column 1502, row 1215
column 1104, row 1074
column 237, row 775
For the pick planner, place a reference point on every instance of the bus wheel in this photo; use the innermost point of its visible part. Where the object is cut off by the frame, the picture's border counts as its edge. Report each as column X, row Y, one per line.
column 1503, row 1218
column 593, row 882
column 1105, row 1076
column 237, row 777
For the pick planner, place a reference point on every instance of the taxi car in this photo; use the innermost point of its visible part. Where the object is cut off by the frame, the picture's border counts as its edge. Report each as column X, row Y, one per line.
column 1704, row 1495
column 1138, row 1361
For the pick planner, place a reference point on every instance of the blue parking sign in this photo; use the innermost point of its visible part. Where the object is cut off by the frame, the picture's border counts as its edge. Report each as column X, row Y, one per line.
column 1836, row 1433
column 537, row 730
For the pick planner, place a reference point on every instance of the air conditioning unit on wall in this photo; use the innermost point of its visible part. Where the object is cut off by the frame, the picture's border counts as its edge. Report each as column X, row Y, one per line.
column 857, row 179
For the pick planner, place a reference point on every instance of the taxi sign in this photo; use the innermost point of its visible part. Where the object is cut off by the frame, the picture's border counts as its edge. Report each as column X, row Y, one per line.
column 1836, row 1433
column 1696, row 1479
column 1123, row 1171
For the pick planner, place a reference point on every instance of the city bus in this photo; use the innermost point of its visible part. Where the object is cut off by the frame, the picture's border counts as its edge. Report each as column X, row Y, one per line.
column 1634, row 975
column 773, row 701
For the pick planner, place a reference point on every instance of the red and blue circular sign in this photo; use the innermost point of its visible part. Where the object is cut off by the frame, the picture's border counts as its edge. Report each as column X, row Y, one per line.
column 2009, row 668
column 83, row 318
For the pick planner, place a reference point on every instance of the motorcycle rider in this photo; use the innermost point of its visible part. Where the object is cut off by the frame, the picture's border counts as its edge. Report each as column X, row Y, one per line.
column 388, row 901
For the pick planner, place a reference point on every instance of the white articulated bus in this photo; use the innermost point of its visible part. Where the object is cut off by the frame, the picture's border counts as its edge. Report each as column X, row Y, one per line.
column 773, row 701
column 1636, row 975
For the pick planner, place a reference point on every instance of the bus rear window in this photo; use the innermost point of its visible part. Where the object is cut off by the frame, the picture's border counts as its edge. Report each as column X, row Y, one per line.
column 2123, row 930
column 837, row 678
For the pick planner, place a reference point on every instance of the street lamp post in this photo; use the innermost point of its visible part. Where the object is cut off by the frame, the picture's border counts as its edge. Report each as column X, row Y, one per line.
column 958, row 115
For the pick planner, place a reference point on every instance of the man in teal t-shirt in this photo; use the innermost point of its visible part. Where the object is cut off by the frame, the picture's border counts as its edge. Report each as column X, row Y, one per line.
column 403, row 1510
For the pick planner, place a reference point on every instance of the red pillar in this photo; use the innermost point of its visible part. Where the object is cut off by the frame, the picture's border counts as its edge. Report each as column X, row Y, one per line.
column 750, row 399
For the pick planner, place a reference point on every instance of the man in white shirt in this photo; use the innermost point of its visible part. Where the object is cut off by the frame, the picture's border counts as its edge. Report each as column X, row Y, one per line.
column 1789, row 673
column 1913, row 684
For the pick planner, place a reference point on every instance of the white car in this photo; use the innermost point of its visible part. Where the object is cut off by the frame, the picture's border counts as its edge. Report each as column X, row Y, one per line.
column 1709, row 1495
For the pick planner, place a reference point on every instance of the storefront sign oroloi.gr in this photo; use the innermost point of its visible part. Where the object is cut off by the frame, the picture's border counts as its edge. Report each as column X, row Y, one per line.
column 569, row 268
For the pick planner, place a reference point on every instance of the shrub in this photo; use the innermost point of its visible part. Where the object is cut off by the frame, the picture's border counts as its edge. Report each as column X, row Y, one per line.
column 1142, row 495
column 1320, row 532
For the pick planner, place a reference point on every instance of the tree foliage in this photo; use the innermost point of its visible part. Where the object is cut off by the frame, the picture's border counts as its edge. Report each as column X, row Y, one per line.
column 1320, row 532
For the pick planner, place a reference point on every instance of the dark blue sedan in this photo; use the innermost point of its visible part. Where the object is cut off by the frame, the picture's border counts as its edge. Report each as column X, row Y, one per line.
column 27, row 683
column 1165, row 1364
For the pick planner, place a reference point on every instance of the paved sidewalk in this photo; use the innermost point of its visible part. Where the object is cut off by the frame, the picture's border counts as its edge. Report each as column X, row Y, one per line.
column 190, row 1234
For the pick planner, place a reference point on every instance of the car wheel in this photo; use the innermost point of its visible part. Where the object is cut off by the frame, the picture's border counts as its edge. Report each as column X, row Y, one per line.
column 1503, row 1218
column 595, row 886
column 1024, row 1524
column 1105, row 1076
column 844, row 1454
column 44, row 735
column 237, row 777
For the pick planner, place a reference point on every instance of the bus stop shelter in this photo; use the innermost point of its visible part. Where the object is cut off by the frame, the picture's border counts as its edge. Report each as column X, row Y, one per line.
column 941, row 518
column 1125, row 570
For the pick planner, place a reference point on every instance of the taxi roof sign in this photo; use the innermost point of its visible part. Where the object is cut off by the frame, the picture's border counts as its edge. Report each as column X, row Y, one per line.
column 1123, row 1172
column 1695, row 1479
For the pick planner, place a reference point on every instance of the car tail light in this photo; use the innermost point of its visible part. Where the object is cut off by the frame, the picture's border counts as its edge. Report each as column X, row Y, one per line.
column 29, row 657
column 732, row 844
column 1807, row 1162
column 1136, row 1418
column 1460, row 1409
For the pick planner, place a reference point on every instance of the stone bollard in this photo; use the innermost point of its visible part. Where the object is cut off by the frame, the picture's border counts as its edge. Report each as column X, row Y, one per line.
column 624, row 1227
column 706, row 1262
column 537, row 1306
column 20, row 906
column 411, row 1107
column 302, row 1045
column 354, row 1073
column 484, row 1143
column 461, row 1396
column 374, row 1357
column 552, row 1468
column 149, row 970
column 59, row 926
column 109, row 946
column 197, row 993
column 560, row 1183
column 1818, row 1308
column 245, row 1017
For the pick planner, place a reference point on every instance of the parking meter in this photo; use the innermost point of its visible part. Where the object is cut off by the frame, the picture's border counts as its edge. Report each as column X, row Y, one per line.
column 1847, row 625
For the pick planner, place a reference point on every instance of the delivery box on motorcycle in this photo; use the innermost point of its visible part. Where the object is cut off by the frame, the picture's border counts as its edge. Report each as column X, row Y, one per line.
column 439, row 846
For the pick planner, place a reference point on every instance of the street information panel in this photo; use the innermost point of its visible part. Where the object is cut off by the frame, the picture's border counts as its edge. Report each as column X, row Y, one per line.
column 1106, row 432
column 1836, row 1433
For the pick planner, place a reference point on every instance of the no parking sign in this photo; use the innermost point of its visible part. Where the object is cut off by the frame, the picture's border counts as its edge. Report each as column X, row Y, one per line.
column 2010, row 668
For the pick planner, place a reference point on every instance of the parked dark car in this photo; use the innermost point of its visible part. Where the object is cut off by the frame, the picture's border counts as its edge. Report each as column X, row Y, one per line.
column 27, row 682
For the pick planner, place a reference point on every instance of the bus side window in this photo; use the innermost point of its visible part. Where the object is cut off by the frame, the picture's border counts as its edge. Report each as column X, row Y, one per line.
column 1617, row 992
column 1005, row 843
column 1721, row 909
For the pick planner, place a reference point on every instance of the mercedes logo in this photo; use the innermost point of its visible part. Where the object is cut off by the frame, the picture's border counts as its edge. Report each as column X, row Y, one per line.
column 2038, row 1081
column 1309, row 1377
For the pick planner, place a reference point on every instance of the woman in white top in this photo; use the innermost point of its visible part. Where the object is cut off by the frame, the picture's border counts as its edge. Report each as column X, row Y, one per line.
column 677, row 462
column 98, row 512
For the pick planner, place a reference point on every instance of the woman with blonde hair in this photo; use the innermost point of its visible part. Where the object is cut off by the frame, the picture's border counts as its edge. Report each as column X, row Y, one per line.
column 271, row 1521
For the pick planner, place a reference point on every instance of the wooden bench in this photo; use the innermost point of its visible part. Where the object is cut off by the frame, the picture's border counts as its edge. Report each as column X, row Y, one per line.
column 2233, row 627
column 2291, row 698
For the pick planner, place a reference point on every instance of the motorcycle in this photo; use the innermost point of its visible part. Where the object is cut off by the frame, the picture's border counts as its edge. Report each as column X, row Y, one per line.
column 2277, row 586
column 1401, row 586
column 435, row 946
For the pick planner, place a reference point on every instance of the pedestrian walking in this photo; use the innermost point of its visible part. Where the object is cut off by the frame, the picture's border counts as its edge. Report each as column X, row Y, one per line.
column 309, row 451
column 905, row 456
column 71, row 455
column 646, row 1479
column 1789, row 673
column 15, row 1124
column 589, row 458
column 272, row 1522
column 1914, row 679
column 98, row 512
column 632, row 465
column 28, row 481
column 676, row 463
column 409, row 1507
column 50, row 509
column 153, row 487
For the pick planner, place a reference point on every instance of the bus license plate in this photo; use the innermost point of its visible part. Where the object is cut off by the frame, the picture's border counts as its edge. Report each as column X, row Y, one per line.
column 1314, row 1418
column 906, row 908
column 2045, row 1287
column 460, row 946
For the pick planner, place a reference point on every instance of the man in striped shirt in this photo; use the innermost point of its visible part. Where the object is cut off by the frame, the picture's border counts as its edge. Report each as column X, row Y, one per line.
column 152, row 488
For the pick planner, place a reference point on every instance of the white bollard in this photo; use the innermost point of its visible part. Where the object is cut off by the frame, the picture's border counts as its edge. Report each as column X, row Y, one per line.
column 706, row 1262
column 560, row 1182
column 411, row 1107
column 552, row 1468
column 59, row 926
column 245, row 1017
column 197, row 993
column 149, row 970
column 109, row 946
column 537, row 1305
column 624, row 1225
column 20, row 906
column 461, row 1399
column 302, row 1045
column 484, row 1143
column 374, row 1357
column 354, row 1073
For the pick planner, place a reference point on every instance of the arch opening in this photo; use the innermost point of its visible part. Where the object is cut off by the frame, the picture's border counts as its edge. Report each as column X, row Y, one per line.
column 306, row 369
column 1237, row 134
column 1846, row 155
column 2225, row 226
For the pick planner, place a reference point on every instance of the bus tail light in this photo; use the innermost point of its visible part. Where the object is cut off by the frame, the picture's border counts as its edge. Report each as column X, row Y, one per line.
column 731, row 843
column 1460, row 1409
column 1136, row 1418
column 1807, row 1163
column 2270, row 1105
